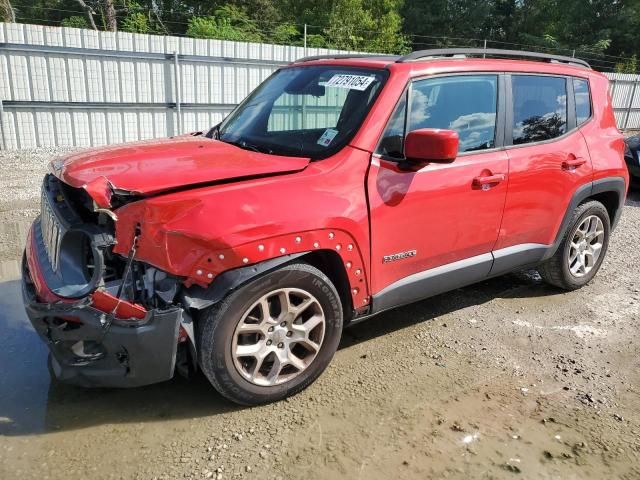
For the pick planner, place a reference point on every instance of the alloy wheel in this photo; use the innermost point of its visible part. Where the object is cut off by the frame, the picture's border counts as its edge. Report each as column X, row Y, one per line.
column 278, row 337
column 586, row 246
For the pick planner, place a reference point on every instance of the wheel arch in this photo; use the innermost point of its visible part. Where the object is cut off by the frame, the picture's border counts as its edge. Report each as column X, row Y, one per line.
column 610, row 200
column 328, row 262
column 610, row 191
column 331, row 264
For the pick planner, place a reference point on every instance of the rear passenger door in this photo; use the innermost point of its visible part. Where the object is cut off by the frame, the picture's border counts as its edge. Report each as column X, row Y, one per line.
column 548, row 157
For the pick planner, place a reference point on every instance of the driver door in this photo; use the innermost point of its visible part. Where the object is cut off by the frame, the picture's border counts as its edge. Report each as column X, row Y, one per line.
column 439, row 222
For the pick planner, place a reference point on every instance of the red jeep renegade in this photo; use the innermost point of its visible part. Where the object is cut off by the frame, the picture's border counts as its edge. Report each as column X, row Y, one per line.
column 340, row 188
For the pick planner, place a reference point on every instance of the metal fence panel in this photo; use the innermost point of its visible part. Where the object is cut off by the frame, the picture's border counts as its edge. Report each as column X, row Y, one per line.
column 625, row 94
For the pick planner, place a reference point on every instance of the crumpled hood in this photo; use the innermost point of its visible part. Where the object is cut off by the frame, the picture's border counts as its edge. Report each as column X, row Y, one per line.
column 151, row 167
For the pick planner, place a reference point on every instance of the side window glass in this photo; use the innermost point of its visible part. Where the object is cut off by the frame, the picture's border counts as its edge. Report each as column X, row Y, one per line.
column 392, row 142
column 583, row 100
column 466, row 104
column 539, row 108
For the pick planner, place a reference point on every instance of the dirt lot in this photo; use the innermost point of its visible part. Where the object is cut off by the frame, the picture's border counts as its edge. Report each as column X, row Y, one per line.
column 505, row 379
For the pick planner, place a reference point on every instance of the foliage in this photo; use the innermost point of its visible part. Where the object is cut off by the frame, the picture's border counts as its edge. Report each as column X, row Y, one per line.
column 75, row 21
column 316, row 41
column 558, row 26
column 628, row 66
column 371, row 25
column 136, row 23
column 594, row 29
column 285, row 34
column 227, row 23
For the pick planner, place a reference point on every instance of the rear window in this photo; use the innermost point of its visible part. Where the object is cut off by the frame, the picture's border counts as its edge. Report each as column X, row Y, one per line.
column 539, row 108
column 583, row 100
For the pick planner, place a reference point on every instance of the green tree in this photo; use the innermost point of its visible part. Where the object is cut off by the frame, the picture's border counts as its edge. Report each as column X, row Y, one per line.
column 75, row 21
column 316, row 41
column 227, row 23
column 628, row 66
column 430, row 21
column 136, row 22
column 311, row 12
column 375, row 26
column 285, row 34
column 595, row 29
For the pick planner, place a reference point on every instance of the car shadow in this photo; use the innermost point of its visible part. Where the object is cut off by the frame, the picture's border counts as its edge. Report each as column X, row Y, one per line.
column 524, row 284
column 30, row 402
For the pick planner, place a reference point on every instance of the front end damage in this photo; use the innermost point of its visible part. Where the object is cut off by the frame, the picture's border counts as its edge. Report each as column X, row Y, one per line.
column 109, row 320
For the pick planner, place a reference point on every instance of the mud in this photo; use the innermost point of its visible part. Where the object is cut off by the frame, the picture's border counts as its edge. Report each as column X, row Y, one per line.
column 505, row 379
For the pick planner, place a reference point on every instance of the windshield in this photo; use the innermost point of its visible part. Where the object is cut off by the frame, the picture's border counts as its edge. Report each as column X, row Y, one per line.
column 303, row 111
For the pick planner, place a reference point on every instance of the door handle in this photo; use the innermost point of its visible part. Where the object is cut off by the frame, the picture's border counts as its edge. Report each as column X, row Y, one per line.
column 485, row 182
column 572, row 163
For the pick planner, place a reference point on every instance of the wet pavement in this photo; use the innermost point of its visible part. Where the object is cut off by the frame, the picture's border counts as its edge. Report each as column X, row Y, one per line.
column 24, row 378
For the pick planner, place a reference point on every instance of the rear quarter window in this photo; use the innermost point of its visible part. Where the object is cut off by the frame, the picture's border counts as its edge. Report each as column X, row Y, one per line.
column 583, row 100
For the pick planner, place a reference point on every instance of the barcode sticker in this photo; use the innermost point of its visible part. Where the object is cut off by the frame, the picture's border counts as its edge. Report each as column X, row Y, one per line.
column 352, row 82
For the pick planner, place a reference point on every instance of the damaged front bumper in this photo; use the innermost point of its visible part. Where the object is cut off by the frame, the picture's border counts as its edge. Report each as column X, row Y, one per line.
column 87, row 348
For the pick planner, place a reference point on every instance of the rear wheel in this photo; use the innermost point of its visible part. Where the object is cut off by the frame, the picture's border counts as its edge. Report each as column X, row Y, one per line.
column 582, row 249
column 272, row 337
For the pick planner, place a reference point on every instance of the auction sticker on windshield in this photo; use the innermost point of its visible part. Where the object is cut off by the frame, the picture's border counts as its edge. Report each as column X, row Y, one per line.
column 352, row 82
column 327, row 137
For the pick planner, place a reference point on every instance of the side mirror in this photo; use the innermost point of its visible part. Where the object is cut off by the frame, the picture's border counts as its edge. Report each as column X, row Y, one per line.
column 431, row 145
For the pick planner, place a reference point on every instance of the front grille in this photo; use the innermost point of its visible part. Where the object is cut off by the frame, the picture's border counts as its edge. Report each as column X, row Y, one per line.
column 74, row 243
column 51, row 231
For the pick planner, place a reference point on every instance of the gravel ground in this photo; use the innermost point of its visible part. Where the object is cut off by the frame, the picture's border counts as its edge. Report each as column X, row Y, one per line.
column 19, row 187
column 505, row 379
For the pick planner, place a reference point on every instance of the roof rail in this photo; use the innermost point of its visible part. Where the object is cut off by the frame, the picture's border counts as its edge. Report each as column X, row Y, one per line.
column 449, row 52
column 346, row 56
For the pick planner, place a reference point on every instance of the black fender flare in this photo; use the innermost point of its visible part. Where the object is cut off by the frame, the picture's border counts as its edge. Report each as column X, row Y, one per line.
column 616, row 185
column 199, row 298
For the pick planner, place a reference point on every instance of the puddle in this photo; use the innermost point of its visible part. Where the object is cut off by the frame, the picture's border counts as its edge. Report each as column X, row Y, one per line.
column 24, row 378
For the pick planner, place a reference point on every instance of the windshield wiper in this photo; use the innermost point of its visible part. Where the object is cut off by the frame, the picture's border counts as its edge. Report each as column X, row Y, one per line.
column 248, row 146
column 214, row 133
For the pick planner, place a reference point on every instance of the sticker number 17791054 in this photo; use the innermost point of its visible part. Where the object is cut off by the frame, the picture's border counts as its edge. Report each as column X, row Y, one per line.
column 352, row 82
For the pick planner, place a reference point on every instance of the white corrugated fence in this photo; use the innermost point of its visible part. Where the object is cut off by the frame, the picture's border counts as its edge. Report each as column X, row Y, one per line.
column 625, row 95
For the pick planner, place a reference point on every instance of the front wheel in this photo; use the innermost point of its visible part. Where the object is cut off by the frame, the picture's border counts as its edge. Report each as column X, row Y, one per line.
column 272, row 337
column 582, row 249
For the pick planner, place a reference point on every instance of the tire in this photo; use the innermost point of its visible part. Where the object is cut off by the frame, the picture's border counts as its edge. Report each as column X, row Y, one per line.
column 556, row 270
column 240, row 378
